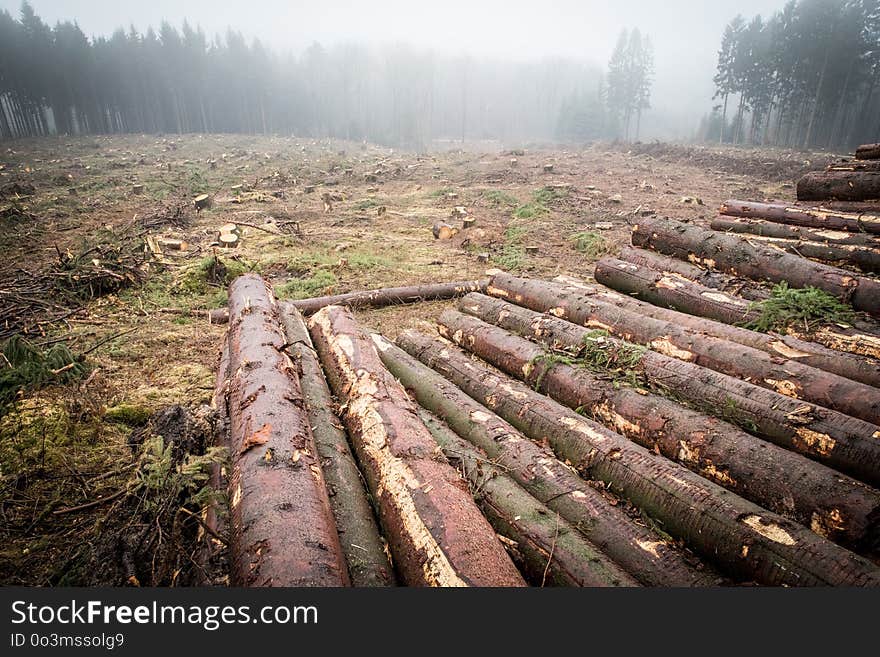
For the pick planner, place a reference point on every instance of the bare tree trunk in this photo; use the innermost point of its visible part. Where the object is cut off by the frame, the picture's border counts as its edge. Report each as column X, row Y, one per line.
column 800, row 216
column 746, row 541
column 839, row 185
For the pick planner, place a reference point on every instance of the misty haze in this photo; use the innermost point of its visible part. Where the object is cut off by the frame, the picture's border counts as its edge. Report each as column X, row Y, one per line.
column 455, row 294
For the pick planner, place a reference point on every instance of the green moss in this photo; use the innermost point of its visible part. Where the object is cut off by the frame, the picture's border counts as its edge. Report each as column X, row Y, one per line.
column 127, row 414
column 207, row 274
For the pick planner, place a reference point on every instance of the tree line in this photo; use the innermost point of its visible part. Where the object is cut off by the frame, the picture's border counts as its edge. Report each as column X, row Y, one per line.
column 807, row 77
column 56, row 80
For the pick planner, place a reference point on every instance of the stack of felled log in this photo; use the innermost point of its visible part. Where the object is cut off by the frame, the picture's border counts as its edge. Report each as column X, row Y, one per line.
column 550, row 433
column 849, row 180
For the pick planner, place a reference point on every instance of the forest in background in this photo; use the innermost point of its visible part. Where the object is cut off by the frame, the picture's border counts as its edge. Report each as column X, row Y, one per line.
column 56, row 80
column 807, row 77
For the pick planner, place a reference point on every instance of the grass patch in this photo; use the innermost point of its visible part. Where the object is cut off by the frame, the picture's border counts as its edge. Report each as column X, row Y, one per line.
column 501, row 199
column 209, row 273
column 302, row 288
column 541, row 198
column 591, row 244
column 443, row 191
column 366, row 204
column 808, row 306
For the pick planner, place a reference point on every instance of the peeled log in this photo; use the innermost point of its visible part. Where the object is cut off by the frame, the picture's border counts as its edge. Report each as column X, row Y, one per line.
column 868, row 152
column 665, row 291
column 652, row 260
column 633, row 547
column 281, row 526
column 389, row 296
column 840, row 185
column 359, row 536
column 784, row 231
column 737, row 256
column 546, row 547
column 839, row 441
column 833, row 506
column 741, row 538
column 436, row 533
column 808, row 217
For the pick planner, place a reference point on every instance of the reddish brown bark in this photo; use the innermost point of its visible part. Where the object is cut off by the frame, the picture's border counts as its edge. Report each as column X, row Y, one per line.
column 741, row 538
column 834, row 506
column 868, row 152
column 840, row 185
column 671, row 291
column 536, row 469
column 784, row 231
column 735, row 255
column 359, row 536
column 282, row 530
column 842, row 442
column 389, row 296
column 800, row 216
column 436, row 533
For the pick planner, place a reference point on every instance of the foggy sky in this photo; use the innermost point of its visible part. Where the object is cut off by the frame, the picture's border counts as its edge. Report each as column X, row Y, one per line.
column 686, row 33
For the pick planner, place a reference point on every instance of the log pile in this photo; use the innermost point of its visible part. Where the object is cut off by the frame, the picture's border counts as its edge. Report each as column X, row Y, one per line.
column 555, row 433
column 851, row 181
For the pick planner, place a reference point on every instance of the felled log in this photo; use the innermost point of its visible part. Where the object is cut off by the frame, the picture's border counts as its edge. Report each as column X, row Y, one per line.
column 435, row 531
column 714, row 279
column 172, row 244
column 443, row 231
column 855, row 165
column 808, row 217
column 389, row 296
column 747, row 542
column 836, row 507
column 837, row 440
column 666, row 291
column 359, row 536
column 868, row 152
column 735, row 255
column 785, row 231
column 633, row 547
column 218, row 316
column 864, row 258
column 546, row 547
column 841, row 185
column 281, row 526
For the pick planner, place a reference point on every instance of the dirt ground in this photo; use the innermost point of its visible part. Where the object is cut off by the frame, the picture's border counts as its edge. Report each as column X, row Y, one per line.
column 149, row 345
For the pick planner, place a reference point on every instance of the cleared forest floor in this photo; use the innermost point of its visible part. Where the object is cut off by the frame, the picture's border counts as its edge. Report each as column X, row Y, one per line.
column 150, row 345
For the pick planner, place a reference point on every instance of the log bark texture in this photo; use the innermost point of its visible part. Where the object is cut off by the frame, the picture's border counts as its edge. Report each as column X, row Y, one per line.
column 868, row 152
column 855, row 165
column 545, row 546
column 785, row 231
column 358, row 530
column 866, row 259
column 839, row 441
column 281, row 526
column 833, row 506
column 390, row 296
column 743, row 287
column 840, row 185
column 800, row 216
column 668, row 291
column 437, row 535
column 633, row 547
column 741, row 538
column 735, row 255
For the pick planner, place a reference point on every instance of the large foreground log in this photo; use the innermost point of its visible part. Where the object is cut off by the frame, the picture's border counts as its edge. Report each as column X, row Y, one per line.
column 746, row 541
column 671, row 291
column 784, row 231
column 435, row 530
column 809, row 217
column 389, row 296
column 833, row 506
column 549, row 549
column 840, row 185
column 633, row 547
column 735, row 255
column 839, row 441
column 868, row 152
column 743, row 287
column 359, row 536
column 282, row 530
